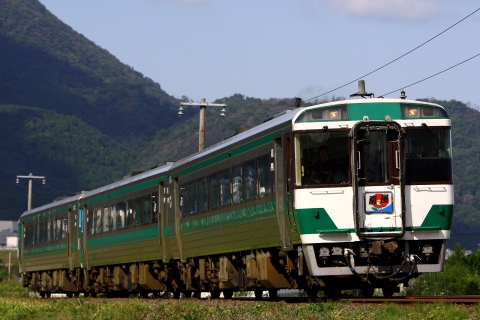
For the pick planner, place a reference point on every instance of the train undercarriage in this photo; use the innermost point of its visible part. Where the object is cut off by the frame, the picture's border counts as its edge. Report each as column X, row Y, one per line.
column 331, row 268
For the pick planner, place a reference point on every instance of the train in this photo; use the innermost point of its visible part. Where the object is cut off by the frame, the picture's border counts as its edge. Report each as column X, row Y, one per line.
column 354, row 194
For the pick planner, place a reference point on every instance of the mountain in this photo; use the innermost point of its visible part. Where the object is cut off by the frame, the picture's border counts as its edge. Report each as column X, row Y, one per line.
column 72, row 112
column 45, row 63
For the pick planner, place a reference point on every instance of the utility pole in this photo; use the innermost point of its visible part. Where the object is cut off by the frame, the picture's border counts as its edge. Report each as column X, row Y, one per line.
column 30, row 178
column 201, row 128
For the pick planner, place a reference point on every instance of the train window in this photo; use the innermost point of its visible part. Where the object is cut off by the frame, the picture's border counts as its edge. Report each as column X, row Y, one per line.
column 137, row 212
column 130, row 213
column 106, row 219
column 147, row 209
column 428, row 152
column 250, row 180
column 213, row 191
column 224, row 188
column 64, row 226
column 121, row 210
column 264, row 181
column 155, row 207
column 49, row 229
column 90, row 222
column 237, row 184
column 98, row 221
column 190, row 199
column 322, row 158
column 113, row 217
column 202, row 195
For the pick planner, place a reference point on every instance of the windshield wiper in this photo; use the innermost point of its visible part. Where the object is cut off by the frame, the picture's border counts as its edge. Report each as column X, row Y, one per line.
column 442, row 145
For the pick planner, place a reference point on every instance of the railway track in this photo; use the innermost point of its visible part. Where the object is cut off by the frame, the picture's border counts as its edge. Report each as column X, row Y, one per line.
column 417, row 299
column 378, row 300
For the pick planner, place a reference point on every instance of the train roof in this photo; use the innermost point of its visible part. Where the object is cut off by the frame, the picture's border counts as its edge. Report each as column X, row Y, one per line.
column 270, row 124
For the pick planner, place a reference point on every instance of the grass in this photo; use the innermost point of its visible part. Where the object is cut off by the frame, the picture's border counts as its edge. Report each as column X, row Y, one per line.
column 119, row 309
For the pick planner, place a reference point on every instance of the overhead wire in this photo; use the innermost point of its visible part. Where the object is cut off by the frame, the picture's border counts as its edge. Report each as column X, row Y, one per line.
column 436, row 74
column 403, row 55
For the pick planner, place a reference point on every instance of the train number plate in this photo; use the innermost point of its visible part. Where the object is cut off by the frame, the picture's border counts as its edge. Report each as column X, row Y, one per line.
column 380, row 202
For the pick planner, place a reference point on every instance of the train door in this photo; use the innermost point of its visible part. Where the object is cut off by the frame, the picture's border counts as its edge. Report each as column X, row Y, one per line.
column 281, row 193
column 378, row 182
column 81, row 235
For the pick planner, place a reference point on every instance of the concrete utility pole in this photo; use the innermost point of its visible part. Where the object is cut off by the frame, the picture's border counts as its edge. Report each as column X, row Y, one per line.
column 201, row 129
column 30, row 178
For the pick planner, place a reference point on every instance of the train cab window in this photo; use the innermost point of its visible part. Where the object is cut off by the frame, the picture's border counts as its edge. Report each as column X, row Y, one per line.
column 213, row 191
column 428, row 155
column 224, row 188
column 106, row 219
column 250, row 180
column 147, row 209
column 98, row 221
column 264, row 180
column 121, row 210
column 113, row 217
column 202, row 195
column 322, row 158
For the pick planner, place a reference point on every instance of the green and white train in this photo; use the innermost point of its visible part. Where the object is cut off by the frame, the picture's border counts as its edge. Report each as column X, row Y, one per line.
column 263, row 210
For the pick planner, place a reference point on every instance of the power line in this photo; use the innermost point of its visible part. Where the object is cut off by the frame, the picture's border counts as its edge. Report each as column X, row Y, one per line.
column 403, row 55
column 436, row 74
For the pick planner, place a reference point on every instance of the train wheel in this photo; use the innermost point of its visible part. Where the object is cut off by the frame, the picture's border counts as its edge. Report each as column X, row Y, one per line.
column 197, row 294
column 272, row 293
column 312, row 293
column 258, row 293
column 388, row 290
column 228, row 294
column 367, row 291
column 332, row 293
column 215, row 294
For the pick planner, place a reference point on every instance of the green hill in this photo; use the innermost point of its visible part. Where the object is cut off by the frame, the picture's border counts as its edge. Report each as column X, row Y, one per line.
column 45, row 63
column 72, row 112
column 71, row 154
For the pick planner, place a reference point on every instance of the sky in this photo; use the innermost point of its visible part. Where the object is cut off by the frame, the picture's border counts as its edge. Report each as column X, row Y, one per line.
column 288, row 48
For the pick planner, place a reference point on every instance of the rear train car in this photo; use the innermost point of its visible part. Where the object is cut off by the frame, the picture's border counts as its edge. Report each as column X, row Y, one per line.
column 353, row 194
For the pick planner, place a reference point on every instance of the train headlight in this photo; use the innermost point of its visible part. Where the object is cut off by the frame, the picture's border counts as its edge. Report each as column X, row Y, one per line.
column 337, row 251
column 427, row 250
column 334, row 114
column 412, row 112
column 324, row 252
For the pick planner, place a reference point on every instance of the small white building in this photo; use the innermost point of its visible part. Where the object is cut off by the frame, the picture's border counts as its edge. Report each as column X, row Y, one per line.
column 8, row 229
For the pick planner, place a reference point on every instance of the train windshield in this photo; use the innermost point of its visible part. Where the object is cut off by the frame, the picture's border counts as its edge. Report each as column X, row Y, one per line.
column 428, row 153
column 322, row 158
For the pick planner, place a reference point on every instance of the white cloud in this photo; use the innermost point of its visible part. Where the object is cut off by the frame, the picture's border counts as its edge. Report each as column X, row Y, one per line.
column 388, row 9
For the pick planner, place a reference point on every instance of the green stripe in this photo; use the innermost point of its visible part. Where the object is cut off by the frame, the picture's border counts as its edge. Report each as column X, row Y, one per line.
column 231, row 153
column 117, row 238
column 127, row 190
column 57, row 248
column 50, row 212
column 231, row 218
column 316, row 221
column 374, row 111
column 439, row 216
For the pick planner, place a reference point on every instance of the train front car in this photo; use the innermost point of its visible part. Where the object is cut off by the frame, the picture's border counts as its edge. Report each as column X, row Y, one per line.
column 373, row 192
